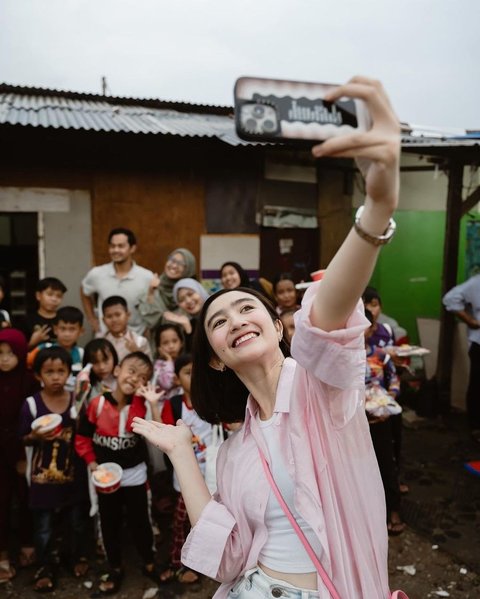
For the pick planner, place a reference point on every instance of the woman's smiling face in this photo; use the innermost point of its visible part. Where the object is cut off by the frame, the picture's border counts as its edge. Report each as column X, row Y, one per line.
column 189, row 300
column 229, row 277
column 240, row 330
column 175, row 266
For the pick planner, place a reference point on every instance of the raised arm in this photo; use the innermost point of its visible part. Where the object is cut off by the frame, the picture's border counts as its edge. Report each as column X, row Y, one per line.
column 377, row 152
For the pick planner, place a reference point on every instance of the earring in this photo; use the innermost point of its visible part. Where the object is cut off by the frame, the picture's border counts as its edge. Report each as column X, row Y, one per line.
column 217, row 364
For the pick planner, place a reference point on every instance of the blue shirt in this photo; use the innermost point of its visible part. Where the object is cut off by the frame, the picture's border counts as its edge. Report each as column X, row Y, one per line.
column 466, row 297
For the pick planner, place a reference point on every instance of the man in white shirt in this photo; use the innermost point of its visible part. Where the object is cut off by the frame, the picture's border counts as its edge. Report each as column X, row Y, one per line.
column 464, row 301
column 122, row 276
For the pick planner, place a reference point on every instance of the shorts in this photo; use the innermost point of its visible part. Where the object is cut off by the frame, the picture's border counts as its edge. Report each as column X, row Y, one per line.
column 255, row 584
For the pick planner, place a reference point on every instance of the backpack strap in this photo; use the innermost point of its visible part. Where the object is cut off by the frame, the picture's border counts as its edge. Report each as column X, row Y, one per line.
column 32, row 405
column 101, row 403
column 176, row 402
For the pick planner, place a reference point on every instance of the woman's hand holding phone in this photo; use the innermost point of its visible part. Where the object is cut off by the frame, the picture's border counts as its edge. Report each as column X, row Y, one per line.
column 377, row 151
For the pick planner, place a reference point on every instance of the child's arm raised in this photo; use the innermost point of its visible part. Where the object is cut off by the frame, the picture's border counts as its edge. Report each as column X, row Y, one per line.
column 378, row 154
column 155, row 398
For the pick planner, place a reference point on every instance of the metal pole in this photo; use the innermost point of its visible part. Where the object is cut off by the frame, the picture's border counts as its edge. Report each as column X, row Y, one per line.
column 449, row 280
column 41, row 245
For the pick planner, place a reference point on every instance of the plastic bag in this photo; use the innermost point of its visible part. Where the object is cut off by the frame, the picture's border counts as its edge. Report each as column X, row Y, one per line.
column 379, row 403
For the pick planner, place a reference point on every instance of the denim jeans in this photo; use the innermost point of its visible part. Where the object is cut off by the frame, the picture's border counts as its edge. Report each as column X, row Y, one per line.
column 74, row 519
column 255, row 584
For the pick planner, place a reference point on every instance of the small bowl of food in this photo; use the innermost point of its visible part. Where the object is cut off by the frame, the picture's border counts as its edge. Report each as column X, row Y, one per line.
column 49, row 423
column 107, row 477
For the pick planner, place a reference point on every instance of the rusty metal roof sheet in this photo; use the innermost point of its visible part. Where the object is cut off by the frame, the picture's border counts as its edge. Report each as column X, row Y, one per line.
column 40, row 108
column 37, row 107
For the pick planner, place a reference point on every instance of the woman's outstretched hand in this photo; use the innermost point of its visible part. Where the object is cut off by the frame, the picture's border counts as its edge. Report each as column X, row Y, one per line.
column 176, row 442
column 168, row 438
column 377, row 150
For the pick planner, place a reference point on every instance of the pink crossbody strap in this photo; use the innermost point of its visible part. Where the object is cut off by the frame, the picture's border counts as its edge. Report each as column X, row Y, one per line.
column 311, row 553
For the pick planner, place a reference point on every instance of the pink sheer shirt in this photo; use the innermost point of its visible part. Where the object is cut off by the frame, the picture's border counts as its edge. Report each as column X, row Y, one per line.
column 329, row 454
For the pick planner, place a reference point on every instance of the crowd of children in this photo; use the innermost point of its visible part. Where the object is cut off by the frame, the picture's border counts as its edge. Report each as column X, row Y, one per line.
column 97, row 391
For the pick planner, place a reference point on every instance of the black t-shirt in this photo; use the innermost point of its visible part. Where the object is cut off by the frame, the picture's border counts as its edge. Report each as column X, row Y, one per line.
column 31, row 322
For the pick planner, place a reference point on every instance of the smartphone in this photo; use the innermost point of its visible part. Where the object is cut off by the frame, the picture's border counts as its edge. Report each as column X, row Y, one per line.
column 293, row 111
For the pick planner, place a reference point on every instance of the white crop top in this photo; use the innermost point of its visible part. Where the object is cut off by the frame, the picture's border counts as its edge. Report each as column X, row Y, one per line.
column 283, row 550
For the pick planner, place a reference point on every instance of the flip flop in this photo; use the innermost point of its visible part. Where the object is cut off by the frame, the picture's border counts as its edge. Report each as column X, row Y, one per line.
column 183, row 573
column 396, row 527
column 44, row 573
column 7, row 571
column 26, row 557
column 111, row 577
column 81, row 567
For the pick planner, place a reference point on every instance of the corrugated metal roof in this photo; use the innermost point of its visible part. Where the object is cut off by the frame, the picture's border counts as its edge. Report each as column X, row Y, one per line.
column 36, row 107
column 98, row 115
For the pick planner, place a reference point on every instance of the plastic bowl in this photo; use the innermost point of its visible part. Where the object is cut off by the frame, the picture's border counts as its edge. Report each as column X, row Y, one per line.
column 48, row 423
column 107, row 477
column 317, row 275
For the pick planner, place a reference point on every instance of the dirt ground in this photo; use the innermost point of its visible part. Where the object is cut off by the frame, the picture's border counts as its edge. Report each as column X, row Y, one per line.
column 438, row 555
column 434, row 574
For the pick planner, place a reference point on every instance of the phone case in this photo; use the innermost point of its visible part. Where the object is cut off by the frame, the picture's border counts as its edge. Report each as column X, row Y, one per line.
column 294, row 111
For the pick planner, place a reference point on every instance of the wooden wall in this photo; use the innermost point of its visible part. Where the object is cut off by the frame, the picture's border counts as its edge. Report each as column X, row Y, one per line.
column 165, row 211
column 163, row 188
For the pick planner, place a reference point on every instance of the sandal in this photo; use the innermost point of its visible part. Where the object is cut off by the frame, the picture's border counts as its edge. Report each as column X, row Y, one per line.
column 44, row 580
column 186, row 576
column 7, row 571
column 182, row 575
column 150, row 571
column 111, row 580
column 167, row 576
column 395, row 525
column 26, row 557
column 81, row 567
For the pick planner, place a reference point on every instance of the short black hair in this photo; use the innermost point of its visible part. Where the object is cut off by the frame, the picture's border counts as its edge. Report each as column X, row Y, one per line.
column 69, row 314
column 166, row 327
column 139, row 355
column 50, row 283
column 114, row 300
column 51, row 353
column 182, row 361
column 132, row 240
column 370, row 294
column 220, row 396
column 283, row 276
column 95, row 346
column 369, row 316
column 101, row 345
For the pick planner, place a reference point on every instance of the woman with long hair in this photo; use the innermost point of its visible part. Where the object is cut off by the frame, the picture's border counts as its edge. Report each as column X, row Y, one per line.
column 304, row 419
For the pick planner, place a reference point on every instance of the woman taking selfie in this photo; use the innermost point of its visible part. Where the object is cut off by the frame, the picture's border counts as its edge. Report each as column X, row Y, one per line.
column 304, row 419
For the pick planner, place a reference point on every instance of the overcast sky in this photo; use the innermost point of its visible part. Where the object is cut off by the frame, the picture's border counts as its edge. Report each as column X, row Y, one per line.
column 426, row 52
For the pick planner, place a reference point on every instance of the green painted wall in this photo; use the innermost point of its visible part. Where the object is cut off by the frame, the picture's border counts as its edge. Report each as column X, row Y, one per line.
column 409, row 269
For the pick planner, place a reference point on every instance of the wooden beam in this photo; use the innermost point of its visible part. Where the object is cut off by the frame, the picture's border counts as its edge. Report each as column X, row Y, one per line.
column 471, row 201
column 334, row 211
column 449, row 279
